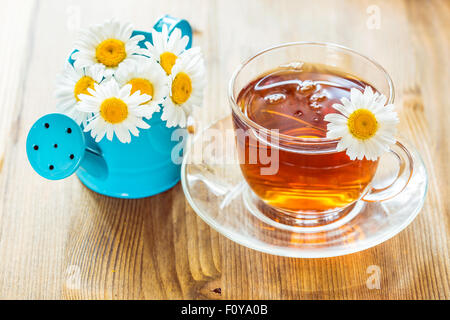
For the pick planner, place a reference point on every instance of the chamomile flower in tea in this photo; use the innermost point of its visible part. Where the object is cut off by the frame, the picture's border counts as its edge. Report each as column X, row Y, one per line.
column 167, row 49
column 115, row 111
column 73, row 82
column 187, row 82
column 366, row 127
column 109, row 44
column 146, row 77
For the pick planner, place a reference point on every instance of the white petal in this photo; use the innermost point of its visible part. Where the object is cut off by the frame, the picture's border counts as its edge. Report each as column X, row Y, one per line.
column 122, row 134
column 109, row 132
column 336, row 119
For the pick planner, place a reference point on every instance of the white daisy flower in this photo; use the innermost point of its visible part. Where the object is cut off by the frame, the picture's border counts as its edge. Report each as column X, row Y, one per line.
column 73, row 82
column 109, row 44
column 186, row 84
column 116, row 111
column 165, row 49
column 148, row 78
column 366, row 127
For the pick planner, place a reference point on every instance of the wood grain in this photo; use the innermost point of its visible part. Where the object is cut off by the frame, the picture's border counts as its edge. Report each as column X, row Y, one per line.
column 59, row 240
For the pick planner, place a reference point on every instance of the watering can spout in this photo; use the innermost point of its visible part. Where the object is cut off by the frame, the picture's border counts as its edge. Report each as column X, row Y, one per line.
column 56, row 148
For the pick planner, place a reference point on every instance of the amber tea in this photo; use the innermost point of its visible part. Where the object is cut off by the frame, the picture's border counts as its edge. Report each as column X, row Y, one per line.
column 295, row 102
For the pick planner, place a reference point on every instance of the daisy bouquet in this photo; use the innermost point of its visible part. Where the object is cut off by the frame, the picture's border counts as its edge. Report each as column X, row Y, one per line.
column 116, row 81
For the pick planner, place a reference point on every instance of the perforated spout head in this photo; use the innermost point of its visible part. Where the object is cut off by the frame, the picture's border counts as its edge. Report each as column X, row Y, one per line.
column 55, row 146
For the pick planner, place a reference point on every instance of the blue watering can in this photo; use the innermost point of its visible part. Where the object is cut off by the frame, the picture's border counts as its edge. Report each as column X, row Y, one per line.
column 57, row 147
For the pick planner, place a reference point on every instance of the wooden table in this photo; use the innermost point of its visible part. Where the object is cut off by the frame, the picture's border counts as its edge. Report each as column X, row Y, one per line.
column 59, row 240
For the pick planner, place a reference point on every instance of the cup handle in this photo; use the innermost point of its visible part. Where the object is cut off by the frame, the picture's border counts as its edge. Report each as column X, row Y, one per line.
column 405, row 163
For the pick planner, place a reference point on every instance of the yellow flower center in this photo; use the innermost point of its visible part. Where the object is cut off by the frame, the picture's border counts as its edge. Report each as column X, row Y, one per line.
column 114, row 110
column 82, row 85
column 181, row 88
column 362, row 124
column 143, row 85
column 167, row 61
column 111, row 52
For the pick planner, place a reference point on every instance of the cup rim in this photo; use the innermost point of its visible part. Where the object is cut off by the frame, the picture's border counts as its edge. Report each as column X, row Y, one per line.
column 237, row 110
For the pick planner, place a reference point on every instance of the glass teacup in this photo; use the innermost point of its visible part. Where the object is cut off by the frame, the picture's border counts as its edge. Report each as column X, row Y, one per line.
column 302, row 178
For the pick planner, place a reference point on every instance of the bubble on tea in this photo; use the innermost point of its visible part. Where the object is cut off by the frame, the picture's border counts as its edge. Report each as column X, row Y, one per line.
column 319, row 96
column 275, row 98
column 315, row 105
column 307, row 85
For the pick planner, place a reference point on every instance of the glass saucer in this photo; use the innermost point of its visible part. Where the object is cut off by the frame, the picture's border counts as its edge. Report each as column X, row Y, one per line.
column 215, row 188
